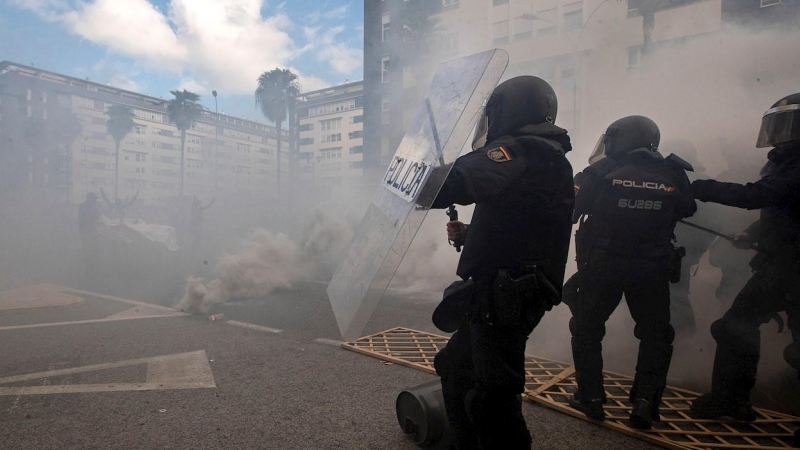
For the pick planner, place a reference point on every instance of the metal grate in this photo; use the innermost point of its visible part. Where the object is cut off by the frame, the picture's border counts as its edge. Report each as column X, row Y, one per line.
column 551, row 383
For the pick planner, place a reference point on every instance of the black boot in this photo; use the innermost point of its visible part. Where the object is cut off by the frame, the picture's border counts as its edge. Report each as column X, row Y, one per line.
column 642, row 414
column 712, row 406
column 592, row 408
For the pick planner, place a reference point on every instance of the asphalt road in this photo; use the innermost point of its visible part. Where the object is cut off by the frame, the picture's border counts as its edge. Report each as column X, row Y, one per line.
column 218, row 386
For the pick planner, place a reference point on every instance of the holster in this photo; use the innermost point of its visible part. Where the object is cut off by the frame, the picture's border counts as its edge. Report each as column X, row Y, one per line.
column 514, row 298
column 676, row 254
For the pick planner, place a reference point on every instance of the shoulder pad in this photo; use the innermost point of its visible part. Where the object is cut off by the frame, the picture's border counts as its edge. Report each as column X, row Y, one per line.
column 679, row 162
column 603, row 167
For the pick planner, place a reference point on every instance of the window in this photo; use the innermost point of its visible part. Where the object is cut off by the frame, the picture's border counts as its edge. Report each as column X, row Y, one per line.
column 568, row 80
column 356, row 164
column 28, row 111
column 547, row 23
column 357, row 119
column 634, row 57
column 499, row 2
column 305, row 127
column 139, row 129
column 500, row 33
column 765, row 3
column 384, row 110
column 523, row 28
column 449, row 4
column 573, row 19
column 330, row 153
column 449, row 43
column 385, row 69
column 44, row 97
column 355, row 134
column 28, row 95
column 331, row 124
column 306, row 141
column 386, row 24
column 356, row 149
column 334, row 137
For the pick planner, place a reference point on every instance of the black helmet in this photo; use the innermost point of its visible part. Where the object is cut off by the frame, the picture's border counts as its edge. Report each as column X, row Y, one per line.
column 781, row 123
column 626, row 135
column 519, row 101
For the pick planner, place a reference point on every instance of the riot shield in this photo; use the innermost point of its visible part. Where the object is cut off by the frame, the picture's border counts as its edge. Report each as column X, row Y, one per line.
column 434, row 140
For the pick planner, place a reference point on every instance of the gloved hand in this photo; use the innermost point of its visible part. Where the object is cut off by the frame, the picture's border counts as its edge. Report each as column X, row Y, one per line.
column 701, row 189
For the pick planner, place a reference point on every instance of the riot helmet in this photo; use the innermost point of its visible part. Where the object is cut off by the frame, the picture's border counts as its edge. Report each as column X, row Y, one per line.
column 781, row 123
column 626, row 135
column 519, row 101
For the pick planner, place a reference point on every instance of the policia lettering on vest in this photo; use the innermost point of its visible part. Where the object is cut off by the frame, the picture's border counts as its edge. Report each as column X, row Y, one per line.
column 628, row 201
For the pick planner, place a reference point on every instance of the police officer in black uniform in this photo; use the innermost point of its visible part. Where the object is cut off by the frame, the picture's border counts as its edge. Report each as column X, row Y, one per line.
column 628, row 201
column 774, row 285
column 515, row 253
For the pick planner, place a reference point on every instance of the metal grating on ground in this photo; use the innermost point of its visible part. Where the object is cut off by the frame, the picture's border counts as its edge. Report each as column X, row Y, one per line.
column 550, row 383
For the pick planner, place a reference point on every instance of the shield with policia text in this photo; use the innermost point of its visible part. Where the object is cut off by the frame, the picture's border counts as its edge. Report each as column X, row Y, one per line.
column 435, row 138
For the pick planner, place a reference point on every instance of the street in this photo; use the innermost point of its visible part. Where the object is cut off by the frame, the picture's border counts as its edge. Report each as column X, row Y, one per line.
column 89, row 371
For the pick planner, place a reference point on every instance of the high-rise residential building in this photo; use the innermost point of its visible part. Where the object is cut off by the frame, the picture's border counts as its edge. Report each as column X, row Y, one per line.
column 53, row 135
column 330, row 127
column 573, row 44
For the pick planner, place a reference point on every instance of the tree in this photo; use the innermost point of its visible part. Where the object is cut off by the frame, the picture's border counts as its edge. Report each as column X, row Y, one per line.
column 184, row 110
column 276, row 90
column 119, row 124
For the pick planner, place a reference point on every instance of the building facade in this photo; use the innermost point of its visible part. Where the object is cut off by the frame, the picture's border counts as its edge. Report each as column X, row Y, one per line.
column 573, row 44
column 53, row 136
column 330, row 140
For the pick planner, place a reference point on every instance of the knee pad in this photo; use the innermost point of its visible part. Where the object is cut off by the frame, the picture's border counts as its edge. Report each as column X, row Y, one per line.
column 792, row 355
column 662, row 334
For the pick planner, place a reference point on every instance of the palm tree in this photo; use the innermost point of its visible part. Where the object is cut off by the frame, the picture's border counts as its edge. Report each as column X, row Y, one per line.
column 184, row 110
column 119, row 124
column 276, row 90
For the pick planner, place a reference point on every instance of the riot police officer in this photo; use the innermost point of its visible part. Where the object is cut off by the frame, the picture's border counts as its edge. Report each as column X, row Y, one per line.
column 774, row 285
column 628, row 202
column 514, row 254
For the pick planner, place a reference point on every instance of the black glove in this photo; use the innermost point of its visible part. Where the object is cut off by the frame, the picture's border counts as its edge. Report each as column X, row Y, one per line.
column 701, row 189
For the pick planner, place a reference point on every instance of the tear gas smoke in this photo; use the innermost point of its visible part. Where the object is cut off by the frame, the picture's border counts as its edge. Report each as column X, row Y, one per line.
column 270, row 261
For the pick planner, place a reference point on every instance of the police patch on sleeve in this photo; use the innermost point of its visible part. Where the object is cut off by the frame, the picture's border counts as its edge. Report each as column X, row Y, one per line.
column 499, row 154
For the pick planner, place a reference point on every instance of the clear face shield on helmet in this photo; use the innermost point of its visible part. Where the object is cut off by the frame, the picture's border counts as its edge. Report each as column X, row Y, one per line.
column 481, row 130
column 779, row 125
column 599, row 150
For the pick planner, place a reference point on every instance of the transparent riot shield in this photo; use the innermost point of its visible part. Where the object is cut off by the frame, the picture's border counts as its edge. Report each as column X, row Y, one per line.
column 435, row 138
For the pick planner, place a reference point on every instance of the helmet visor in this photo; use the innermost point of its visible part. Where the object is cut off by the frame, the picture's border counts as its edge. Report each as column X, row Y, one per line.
column 599, row 150
column 779, row 126
column 481, row 131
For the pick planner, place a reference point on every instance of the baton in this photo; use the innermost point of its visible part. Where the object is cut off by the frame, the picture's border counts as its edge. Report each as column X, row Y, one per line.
column 727, row 237
column 451, row 211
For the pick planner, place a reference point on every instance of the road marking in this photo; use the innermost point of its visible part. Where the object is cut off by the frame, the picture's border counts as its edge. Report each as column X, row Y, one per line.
column 79, row 322
column 331, row 342
column 178, row 371
column 109, row 297
column 251, row 326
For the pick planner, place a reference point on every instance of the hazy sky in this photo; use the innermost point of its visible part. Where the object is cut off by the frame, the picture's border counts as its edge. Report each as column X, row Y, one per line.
column 154, row 46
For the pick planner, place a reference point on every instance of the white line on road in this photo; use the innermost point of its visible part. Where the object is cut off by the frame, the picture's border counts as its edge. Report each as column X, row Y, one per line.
column 251, row 326
column 78, row 322
column 331, row 342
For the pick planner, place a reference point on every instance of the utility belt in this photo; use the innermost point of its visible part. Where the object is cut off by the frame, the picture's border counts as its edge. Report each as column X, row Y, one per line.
column 510, row 296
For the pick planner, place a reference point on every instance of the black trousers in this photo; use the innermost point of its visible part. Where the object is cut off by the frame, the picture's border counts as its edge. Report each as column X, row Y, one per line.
column 645, row 285
column 771, row 289
column 483, row 373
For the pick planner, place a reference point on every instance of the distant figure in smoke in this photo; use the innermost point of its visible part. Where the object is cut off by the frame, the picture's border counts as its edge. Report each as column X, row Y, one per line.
column 514, row 254
column 88, row 216
column 196, row 220
column 696, row 243
column 118, row 207
column 732, row 261
column 628, row 202
column 775, row 285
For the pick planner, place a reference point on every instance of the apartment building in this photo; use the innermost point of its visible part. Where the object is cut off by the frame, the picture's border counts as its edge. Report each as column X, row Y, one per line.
column 573, row 44
column 330, row 127
column 53, row 136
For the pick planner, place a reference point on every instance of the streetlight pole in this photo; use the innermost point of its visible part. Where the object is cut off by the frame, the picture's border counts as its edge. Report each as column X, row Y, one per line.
column 216, row 138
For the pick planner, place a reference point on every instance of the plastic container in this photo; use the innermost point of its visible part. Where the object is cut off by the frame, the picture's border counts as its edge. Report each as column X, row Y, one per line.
column 421, row 414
